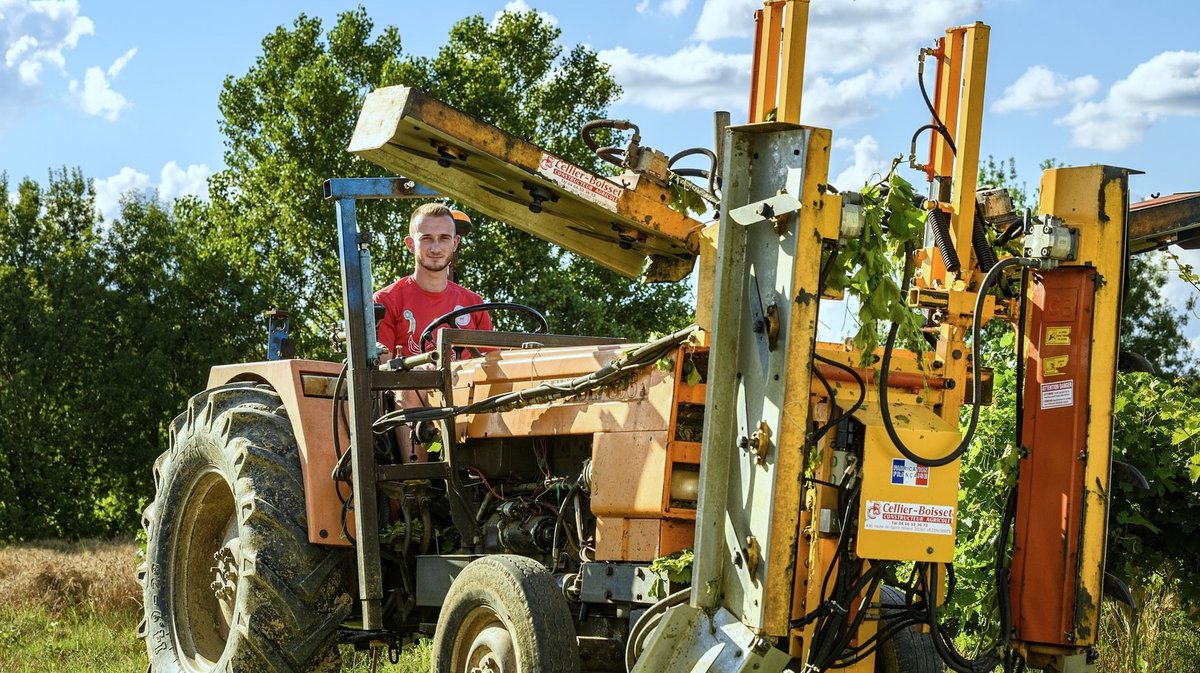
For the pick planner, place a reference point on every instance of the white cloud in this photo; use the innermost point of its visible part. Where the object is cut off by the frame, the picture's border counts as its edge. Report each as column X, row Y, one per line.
column 830, row 102
column 866, row 161
column 673, row 7
column 174, row 182
column 726, row 18
column 97, row 97
column 109, row 190
column 695, row 76
column 859, row 54
column 37, row 32
column 1166, row 85
column 670, row 7
column 1040, row 87
column 520, row 7
column 119, row 64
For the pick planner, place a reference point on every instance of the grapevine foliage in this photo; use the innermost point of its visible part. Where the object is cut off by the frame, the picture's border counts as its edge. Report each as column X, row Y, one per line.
column 868, row 267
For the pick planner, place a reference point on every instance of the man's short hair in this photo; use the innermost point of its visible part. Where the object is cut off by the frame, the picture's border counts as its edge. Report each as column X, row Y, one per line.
column 427, row 210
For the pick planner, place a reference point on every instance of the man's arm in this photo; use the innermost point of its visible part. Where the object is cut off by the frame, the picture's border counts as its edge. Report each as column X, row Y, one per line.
column 385, row 330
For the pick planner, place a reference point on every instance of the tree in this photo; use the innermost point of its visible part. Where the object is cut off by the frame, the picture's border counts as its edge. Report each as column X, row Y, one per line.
column 109, row 329
column 289, row 119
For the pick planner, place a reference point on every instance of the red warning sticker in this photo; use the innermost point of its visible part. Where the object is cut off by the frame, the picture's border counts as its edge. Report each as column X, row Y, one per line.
column 906, row 517
column 580, row 182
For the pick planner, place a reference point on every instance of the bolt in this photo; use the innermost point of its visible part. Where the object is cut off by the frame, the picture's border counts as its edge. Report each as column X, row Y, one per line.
column 956, row 354
column 950, row 383
column 929, row 550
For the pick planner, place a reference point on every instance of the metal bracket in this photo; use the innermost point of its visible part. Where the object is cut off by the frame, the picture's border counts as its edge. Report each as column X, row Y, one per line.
column 773, row 208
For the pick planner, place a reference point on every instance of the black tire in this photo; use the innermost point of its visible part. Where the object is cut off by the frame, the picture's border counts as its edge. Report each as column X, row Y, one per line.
column 230, row 582
column 910, row 650
column 506, row 611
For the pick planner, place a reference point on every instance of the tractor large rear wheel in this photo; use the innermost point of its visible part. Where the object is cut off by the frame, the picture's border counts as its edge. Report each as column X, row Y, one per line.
column 505, row 614
column 230, row 581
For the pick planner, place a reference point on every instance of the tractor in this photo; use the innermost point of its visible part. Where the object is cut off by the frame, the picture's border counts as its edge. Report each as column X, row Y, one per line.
column 734, row 496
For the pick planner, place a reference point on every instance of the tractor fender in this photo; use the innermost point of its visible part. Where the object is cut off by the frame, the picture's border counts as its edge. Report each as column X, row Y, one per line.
column 306, row 390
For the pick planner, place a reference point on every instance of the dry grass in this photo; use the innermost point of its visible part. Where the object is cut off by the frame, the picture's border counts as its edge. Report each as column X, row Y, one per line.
column 57, row 576
column 67, row 607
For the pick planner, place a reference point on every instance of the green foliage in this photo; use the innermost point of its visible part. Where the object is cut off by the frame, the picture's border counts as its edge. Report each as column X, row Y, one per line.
column 676, row 568
column 1158, row 432
column 684, row 199
column 868, row 267
column 111, row 326
column 1150, row 326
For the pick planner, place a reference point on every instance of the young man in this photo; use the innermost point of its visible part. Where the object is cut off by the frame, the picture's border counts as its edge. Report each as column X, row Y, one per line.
column 417, row 300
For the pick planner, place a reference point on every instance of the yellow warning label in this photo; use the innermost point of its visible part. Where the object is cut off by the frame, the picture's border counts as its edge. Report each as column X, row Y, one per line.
column 1053, row 366
column 1058, row 336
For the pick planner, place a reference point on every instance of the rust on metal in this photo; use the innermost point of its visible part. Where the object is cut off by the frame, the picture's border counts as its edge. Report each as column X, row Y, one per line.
column 1158, row 222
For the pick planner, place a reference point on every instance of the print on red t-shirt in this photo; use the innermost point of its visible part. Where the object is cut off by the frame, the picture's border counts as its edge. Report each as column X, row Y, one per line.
column 410, row 310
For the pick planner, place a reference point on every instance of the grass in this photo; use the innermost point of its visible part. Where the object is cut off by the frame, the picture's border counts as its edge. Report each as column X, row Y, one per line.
column 1162, row 636
column 72, row 607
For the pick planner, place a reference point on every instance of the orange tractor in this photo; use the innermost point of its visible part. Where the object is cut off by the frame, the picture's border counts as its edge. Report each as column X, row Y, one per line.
column 797, row 475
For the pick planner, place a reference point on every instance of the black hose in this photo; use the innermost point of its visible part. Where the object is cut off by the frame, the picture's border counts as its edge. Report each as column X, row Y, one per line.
column 941, row 127
column 641, row 356
column 944, row 643
column 984, row 254
column 977, row 365
column 613, row 155
column 862, row 396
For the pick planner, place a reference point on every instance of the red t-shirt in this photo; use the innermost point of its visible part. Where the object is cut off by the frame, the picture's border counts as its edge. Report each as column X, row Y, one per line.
column 410, row 310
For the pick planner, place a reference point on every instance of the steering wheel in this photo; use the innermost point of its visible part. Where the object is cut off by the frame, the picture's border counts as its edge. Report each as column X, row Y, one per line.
column 446, row 319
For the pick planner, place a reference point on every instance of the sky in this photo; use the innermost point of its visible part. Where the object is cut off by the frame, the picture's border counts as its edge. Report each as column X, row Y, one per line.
column 127, row 91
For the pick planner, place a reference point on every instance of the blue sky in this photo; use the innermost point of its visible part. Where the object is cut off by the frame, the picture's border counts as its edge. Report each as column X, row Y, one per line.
column 128, row 90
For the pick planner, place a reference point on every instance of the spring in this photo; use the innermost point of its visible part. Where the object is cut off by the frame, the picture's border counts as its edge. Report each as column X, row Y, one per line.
column 939, row 222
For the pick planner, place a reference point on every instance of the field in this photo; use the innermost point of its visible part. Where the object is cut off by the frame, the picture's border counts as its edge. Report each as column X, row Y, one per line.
column 66, row 608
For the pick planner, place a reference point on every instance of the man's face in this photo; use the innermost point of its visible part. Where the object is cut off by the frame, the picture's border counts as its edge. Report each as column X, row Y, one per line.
column 433, row 242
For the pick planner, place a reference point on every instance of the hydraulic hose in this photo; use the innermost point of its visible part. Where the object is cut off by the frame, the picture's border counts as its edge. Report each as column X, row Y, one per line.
column 984, row 253
column 977, row 383
column 613, row 155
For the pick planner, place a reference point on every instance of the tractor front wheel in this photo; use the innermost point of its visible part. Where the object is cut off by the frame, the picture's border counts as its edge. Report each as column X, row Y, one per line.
column 505, row 614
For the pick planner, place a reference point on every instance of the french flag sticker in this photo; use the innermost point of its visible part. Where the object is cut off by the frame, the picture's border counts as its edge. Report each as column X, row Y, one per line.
column 907, row 473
